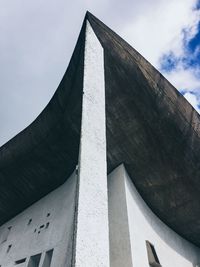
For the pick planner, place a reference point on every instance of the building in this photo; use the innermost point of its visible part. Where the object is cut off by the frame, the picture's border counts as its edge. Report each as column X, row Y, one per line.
column 108, row 174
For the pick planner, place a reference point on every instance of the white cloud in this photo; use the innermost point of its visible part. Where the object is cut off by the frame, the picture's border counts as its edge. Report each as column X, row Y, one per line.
column 158, row 28
column 187, row 80
column 38, row 37
column 184, row 79
column 165, row 27
column 192, row 98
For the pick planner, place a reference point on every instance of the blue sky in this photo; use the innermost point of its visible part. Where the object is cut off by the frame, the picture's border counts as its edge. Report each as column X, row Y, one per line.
column 171, row 43
column 38, row 37
column 188, row 61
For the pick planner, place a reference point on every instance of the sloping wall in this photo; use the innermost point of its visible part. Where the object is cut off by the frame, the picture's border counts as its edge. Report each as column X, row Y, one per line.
column 141, row 225
column 42, row 235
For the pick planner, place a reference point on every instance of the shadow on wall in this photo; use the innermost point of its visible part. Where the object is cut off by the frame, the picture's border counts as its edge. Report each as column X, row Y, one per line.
column 164, row 231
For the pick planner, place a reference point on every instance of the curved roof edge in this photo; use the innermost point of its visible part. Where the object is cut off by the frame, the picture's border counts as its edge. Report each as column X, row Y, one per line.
column 151, row 128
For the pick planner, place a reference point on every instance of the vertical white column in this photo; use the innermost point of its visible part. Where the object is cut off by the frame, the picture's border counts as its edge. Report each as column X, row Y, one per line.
column 92, row 238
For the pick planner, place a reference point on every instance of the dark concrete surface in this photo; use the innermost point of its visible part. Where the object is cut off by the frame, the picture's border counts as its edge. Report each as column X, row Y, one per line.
column 43, row 156
column 151, row 128
column 154, row 131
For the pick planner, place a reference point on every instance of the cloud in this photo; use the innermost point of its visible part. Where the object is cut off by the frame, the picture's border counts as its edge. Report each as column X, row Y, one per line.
column 38, row 37
column 184, row 79
column 162, row 34
column 193, row 99
column 159, row 28
column 188, row 82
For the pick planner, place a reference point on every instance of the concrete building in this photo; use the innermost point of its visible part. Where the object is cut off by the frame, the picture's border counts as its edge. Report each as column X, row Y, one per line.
column 108, row 174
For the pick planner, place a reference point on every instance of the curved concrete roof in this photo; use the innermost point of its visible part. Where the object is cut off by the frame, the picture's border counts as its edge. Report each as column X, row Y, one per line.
column 151, row 128
column 42, row 156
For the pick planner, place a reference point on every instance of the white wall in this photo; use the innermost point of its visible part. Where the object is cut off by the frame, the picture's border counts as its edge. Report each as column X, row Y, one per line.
column 171, row 249
column 131, row 223
column 28, row 240
column 92, row 241
column 120, row 246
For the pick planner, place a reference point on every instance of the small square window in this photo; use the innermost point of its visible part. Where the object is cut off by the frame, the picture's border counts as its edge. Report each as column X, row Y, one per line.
column 5, row 234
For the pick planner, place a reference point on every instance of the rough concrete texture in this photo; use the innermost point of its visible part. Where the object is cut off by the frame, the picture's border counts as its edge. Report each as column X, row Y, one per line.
column 154, row 131
column 143, row 224
column 92, row 244
column 150, row 127
column 46, row 225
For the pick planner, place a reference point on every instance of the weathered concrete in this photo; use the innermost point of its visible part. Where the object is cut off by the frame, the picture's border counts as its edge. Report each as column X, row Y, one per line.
column 46, row 225
column 149, row 126
column 92, row 244
column 171, row 249
column 154, row 131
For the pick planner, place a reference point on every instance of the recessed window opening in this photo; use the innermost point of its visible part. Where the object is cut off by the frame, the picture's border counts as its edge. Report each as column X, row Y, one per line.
column 29, row 222
column 34, row 261
column 5, row 234
column 20, row 261
column 9, row 248
column 48, row 258
column 47, row 225
column 152, row 255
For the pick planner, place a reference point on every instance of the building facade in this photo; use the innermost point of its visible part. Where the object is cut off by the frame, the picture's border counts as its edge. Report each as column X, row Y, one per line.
column 108, row 174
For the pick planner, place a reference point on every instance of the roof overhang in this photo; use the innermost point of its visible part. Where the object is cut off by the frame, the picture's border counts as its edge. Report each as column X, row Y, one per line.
column 151, row 128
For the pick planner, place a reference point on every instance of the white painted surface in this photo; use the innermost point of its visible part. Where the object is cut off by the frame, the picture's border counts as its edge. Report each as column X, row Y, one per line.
column 172, row 250
column 120, row 246
column 28, row 240
column 92, row 242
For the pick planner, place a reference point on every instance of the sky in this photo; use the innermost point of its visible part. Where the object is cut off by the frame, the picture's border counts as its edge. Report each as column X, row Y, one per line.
column 37, row 38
